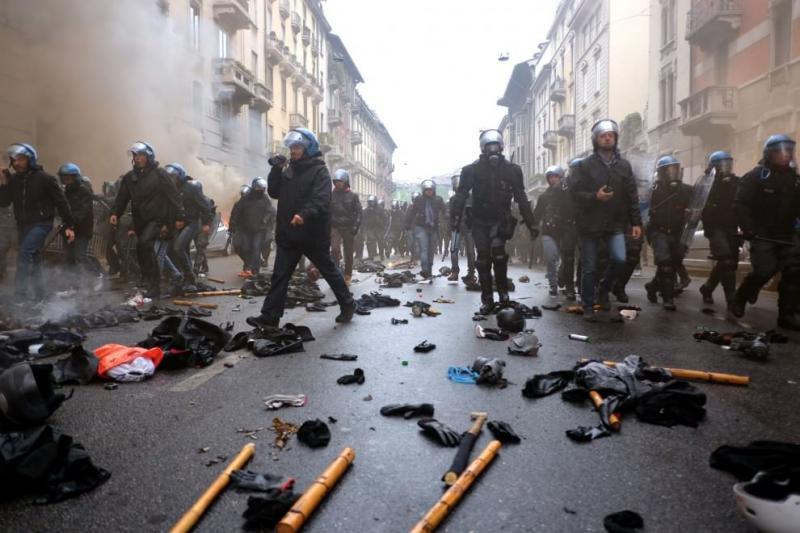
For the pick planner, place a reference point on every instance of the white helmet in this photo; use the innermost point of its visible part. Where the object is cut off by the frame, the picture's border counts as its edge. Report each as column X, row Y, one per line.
column 491, row 136
column 782, row 516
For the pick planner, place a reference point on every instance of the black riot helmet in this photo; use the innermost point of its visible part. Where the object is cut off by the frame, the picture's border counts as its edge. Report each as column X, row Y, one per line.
column 668, row 169
column 372, row 201
column 722, row 161
column 510, row 319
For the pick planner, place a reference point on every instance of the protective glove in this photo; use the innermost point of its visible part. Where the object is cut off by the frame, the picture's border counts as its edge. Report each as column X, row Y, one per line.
column 356, row 377
column 435, row 430
column 249, row 480
column 503, row 432
column 277, row 160
column 408, row 410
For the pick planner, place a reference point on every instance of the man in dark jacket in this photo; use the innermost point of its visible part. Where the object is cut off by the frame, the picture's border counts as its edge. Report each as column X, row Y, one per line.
column 606, row 201
column 36, row 197
column 422, row 219
column 720, row 227
column 396, row 223
column 234, row 234
column 303, row 225
column 155, row 206
column 464, row 236
column 81, row 203
column 767, row 206
column 548, row 215
column 493, row 182
column 374, row 223
column 345, row 221
column 251, row 225
column 8, row 234
column 197, row 217
column 670, row 203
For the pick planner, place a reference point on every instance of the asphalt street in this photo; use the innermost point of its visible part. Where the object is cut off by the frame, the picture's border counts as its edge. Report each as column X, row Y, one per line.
column 149, row 435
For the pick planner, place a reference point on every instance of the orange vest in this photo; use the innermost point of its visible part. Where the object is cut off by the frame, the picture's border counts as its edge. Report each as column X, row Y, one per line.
column 113, row 355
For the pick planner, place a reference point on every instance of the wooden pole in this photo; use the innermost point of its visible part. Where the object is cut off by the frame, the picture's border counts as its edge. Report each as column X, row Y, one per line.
column 224, row 292
column 189, row 303
column 216, row 280
column 450, row 499
column 698, row 375
column 294, row 519
column 193, row 515
column 613, row 418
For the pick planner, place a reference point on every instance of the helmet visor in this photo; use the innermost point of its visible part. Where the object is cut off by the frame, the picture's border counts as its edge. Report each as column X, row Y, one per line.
column 259, row 184
column 670, row 172
column 605, row 126
column 138, row 148
column 783, row 147
column 294, row 138
column 724, row 166
column 16, row 150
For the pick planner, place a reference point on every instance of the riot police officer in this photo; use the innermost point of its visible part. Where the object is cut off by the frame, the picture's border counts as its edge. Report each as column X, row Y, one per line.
column 767, row 205
column 422, row 220
column 374, row 223
column 548, row 215
column 345, row 221
column 251, row 225
column 81, row 203
column 493, row 182
column 396, row 221
column 720, row 227
column 670, row 203
column 465, row 238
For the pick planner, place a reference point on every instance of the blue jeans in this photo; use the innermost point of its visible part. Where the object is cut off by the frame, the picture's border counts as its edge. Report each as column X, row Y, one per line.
column 551, row 257
column 181, row 250
column 426, row 240
column 616, row 261
column 252, row 242
column 165, row 263
column 31, row 238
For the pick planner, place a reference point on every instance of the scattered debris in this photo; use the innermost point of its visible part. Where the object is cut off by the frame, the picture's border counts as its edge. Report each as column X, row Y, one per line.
column 367, row 398
column 276, row 401
column 554, row 307
column 357, row 377
column 462, row 374
column 424, row 347
column 283, row 432
column 579, row 338
column 339, row 356
column 493, row 334
column 396, row 321
column 524, row 343
column 524, row 279
column 216, row 460
column 623, row 522
column 442, row 300
column 314, row 433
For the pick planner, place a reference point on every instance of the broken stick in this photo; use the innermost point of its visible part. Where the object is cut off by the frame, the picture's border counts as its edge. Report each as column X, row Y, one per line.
column 215, row 280
column 613, row 418
column 224, row 292
column 189, row 303
column 697, row 375
column 294, row 519
column 192, row 516
column 450, row 499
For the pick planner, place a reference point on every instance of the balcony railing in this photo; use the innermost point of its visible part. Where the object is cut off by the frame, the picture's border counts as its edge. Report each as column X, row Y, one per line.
column 558, row 92
column 273, row 47
column 296, row 120
column 236, row 82
column 232, row 14
column 566, row 125
column 262, row 99
column 710, row 22
column 709, row 110
column 297, row 22
column 550, row 139
column 356, row 137
column 334, row 118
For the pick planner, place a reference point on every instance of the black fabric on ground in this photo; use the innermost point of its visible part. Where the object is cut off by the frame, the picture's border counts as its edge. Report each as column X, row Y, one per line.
column 47, row 464
column 542, row 385
column 575, row 395
column 369, row 266
column 301, row 289
column 157, row 312
column 503, row 432
column 408, row 410
column 198, row 312
column 264, row 513
column 237, row 342
column 316, row 307
column 439, row 432
column 80, row 367
column 396, row 280
column 586, row 433
column 339, row 356
column 356, row 377
column 623, row 522
column 314, row 433
column 424, row 347
column 27, row 397
column 249, row 480
column 672, row 403
column 493, row 334
column 47, row 340
column 524, row 343
column 266, row 342
column 186, row 341
column 374, row 300
column 744, row 462
column 103, row 318
column 775, row 485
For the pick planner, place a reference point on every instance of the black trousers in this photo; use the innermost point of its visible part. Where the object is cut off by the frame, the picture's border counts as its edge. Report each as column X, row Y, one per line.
column 146, row 236
column 724, row 247
column 769, row 259
column 490, row 249
column 568, row 245
column 286, row 259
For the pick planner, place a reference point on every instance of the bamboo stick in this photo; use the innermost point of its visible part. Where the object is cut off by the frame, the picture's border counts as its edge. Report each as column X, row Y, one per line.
column 215, row 280
column 698, row 375
column 613, row 418
column 189, row 303
column 224, row 292
column 193, row 515
column 294, row 519
column 450, row 499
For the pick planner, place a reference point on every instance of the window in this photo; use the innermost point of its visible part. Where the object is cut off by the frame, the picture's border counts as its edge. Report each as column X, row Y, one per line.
column 224, row 43
column 194, row 26
column 270, row 136
column 226, row 122
column 255, row 123
column 253, row 62
column 284, row 93
column 668, row 21
column 782, row 36
column 667, row 96
column 596, row 76
column 586, row 90
column 296, row 100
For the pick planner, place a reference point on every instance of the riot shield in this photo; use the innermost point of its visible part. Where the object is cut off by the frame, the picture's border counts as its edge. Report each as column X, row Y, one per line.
column 644, row 170
column 699, row 196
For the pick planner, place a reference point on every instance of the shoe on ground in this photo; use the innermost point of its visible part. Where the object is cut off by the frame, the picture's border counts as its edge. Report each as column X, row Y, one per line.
column 736, row 307
column 486, row 308
column 707, row 294
column 263, row 321
column 621, row 295
column 346, row 313
column 669, row 305
column 652, row 292
column 453, row 276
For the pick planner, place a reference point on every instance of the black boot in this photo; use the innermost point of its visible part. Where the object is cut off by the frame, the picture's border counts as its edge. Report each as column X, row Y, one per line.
column 263, row 321
column 620, row 294
column 652, row 291
column 736, row 306
column 708, row 294
column 728, row 282
column 346, row 313
column 788, row 321
column 667, row 286
column 570, row 292
column 501, row 278
column 453, row 275
column 487, row 305
column 553, row 289
column 487, row 292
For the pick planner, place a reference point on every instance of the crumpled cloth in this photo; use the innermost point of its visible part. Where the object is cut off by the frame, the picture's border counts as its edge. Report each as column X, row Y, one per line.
column 187, row 341
column 276, row 401
column 374, row 300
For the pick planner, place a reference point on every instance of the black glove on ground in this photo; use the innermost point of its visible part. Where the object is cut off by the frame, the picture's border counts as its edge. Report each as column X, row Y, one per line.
column 249, row 480
column 356, row 377
column 435, row 430
column 424, row 347
column 314, row 433
column 503, row 432
column 408, row 410
column 264, row 513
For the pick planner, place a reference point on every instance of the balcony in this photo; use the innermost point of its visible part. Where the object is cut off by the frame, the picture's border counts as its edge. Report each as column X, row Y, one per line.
column 326, row 142
column 710, row 111
column 297, row 22
column 334, row 118
column 566, row 125
column 262, row 99
column 284, row 9
column 232, row 14
column 306, row 35
column 550, row 139
column 273, row 47
column 235, row 82
column 711, row 22
column 287, row 63
column 334, row 154
column 558, row 92
column 296, row 120
column 356, row 138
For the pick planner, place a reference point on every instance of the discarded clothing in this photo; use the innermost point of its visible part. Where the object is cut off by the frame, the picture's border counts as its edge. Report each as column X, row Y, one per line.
column 493, row 334
column 339, row 356
column 542, row 385
column 237, row 342
column 80, row 367
column 47, row 464
column 395, row 280
column 407, row 410
column 503, row 432
column 623, row 522
column 462, row 374
column 266, row 342
column 27, row 397
column 276, row 401
column 249, row 480
column 744, row 462
column 157, row 312
column 264, row 513
column 751, row 344
column 103, row 318
column 356, row 377
column 586, row 433
column 21, row 345
column 369, row 266
column 419, row 308
column 672, row 403
column 439, row 432
column 302, row 289
column 374, row 300
column 316, row 307
column 314, row 433
column 424, row 347
column 524, row 343
column 121, row 360
column 187, row 342
column 490, row 371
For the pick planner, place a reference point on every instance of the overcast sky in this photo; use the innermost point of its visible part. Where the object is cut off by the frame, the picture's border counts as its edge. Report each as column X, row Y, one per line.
column 431, row 70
